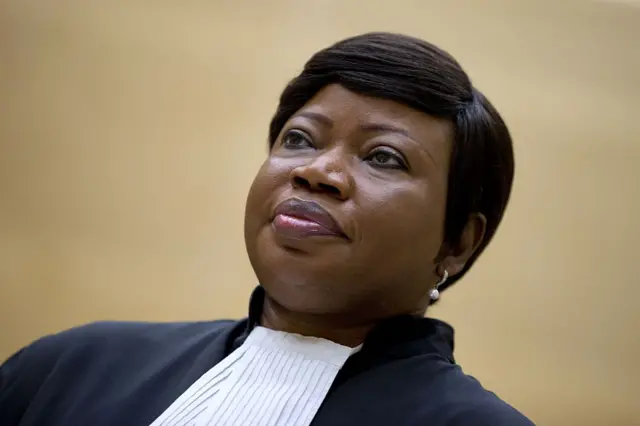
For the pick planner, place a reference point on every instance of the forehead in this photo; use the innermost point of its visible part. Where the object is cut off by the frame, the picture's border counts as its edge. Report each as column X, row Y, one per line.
column 346, row 109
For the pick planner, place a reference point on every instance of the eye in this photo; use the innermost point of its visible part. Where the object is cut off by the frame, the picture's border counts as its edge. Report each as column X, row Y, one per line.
column 386, row 158
column 296, row 139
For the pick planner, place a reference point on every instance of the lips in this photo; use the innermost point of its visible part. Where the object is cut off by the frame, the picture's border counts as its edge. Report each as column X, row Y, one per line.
column 299, row 218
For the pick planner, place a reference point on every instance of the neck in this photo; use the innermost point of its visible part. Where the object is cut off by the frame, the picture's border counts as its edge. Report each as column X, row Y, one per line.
column 277, row 317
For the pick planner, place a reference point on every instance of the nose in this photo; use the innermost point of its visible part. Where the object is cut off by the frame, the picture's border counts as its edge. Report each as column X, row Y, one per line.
column 327, row 174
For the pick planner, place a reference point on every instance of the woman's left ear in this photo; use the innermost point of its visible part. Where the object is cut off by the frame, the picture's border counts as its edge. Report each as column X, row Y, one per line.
column 470, row 239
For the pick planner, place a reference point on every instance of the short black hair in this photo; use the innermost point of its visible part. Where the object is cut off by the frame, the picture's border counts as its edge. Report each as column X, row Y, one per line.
column 422, row 76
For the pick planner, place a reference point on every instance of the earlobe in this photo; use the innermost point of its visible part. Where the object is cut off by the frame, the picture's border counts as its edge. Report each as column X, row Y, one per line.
column 434, row 294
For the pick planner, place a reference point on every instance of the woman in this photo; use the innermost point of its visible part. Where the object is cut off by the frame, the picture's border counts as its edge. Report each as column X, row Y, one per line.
column 387, row 176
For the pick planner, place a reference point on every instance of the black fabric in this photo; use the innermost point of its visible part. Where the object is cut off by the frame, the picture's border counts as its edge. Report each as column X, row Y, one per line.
column 119, row 373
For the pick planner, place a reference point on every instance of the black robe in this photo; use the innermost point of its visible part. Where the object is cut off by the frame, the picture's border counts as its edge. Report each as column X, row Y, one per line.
column 122, row 373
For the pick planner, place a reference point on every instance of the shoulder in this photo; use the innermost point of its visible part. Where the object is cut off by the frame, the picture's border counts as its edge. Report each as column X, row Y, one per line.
column 468, row 402
column 108, row 336
column 489, row 411
column 99, row 346
column 124, row 333
column 456, row 398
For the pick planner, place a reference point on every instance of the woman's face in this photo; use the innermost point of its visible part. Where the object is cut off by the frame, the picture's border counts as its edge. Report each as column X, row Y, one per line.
column 346, row 215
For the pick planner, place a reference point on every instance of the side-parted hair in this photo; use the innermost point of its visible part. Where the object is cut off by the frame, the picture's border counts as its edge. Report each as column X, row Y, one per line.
column 422, row 76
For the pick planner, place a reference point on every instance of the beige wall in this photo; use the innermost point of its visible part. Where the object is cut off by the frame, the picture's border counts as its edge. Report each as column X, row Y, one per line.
column 130, row 131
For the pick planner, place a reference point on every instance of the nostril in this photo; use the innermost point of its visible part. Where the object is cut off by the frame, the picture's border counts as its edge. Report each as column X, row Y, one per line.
column 311, row 186
column 329, row 188
column 302, row 182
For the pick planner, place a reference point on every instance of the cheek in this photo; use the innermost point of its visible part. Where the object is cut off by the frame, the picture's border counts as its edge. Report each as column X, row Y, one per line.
column 409, row 220
column 263, row 190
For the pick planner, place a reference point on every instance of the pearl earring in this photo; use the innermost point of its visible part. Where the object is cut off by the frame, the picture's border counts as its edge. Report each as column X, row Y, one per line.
column 434, row 294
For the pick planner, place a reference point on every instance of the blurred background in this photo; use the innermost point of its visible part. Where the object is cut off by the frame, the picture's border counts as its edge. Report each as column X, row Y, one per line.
column 130, row 132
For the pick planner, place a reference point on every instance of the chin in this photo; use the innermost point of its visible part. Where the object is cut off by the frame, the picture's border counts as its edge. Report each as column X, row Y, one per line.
column 299, row 289
column 299, row 279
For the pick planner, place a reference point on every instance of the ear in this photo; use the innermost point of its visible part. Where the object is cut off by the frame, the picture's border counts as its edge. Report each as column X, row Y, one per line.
column 458, row 253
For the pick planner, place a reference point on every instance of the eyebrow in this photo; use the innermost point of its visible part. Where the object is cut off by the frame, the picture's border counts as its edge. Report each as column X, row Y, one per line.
column 315, row 116
column 370, row 127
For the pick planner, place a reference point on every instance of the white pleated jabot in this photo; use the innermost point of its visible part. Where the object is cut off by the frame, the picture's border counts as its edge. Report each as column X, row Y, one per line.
column 272, row 379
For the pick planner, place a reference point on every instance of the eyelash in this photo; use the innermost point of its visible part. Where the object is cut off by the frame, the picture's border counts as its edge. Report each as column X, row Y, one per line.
column 400, row 162
column 399, row 159
column 298, row 133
